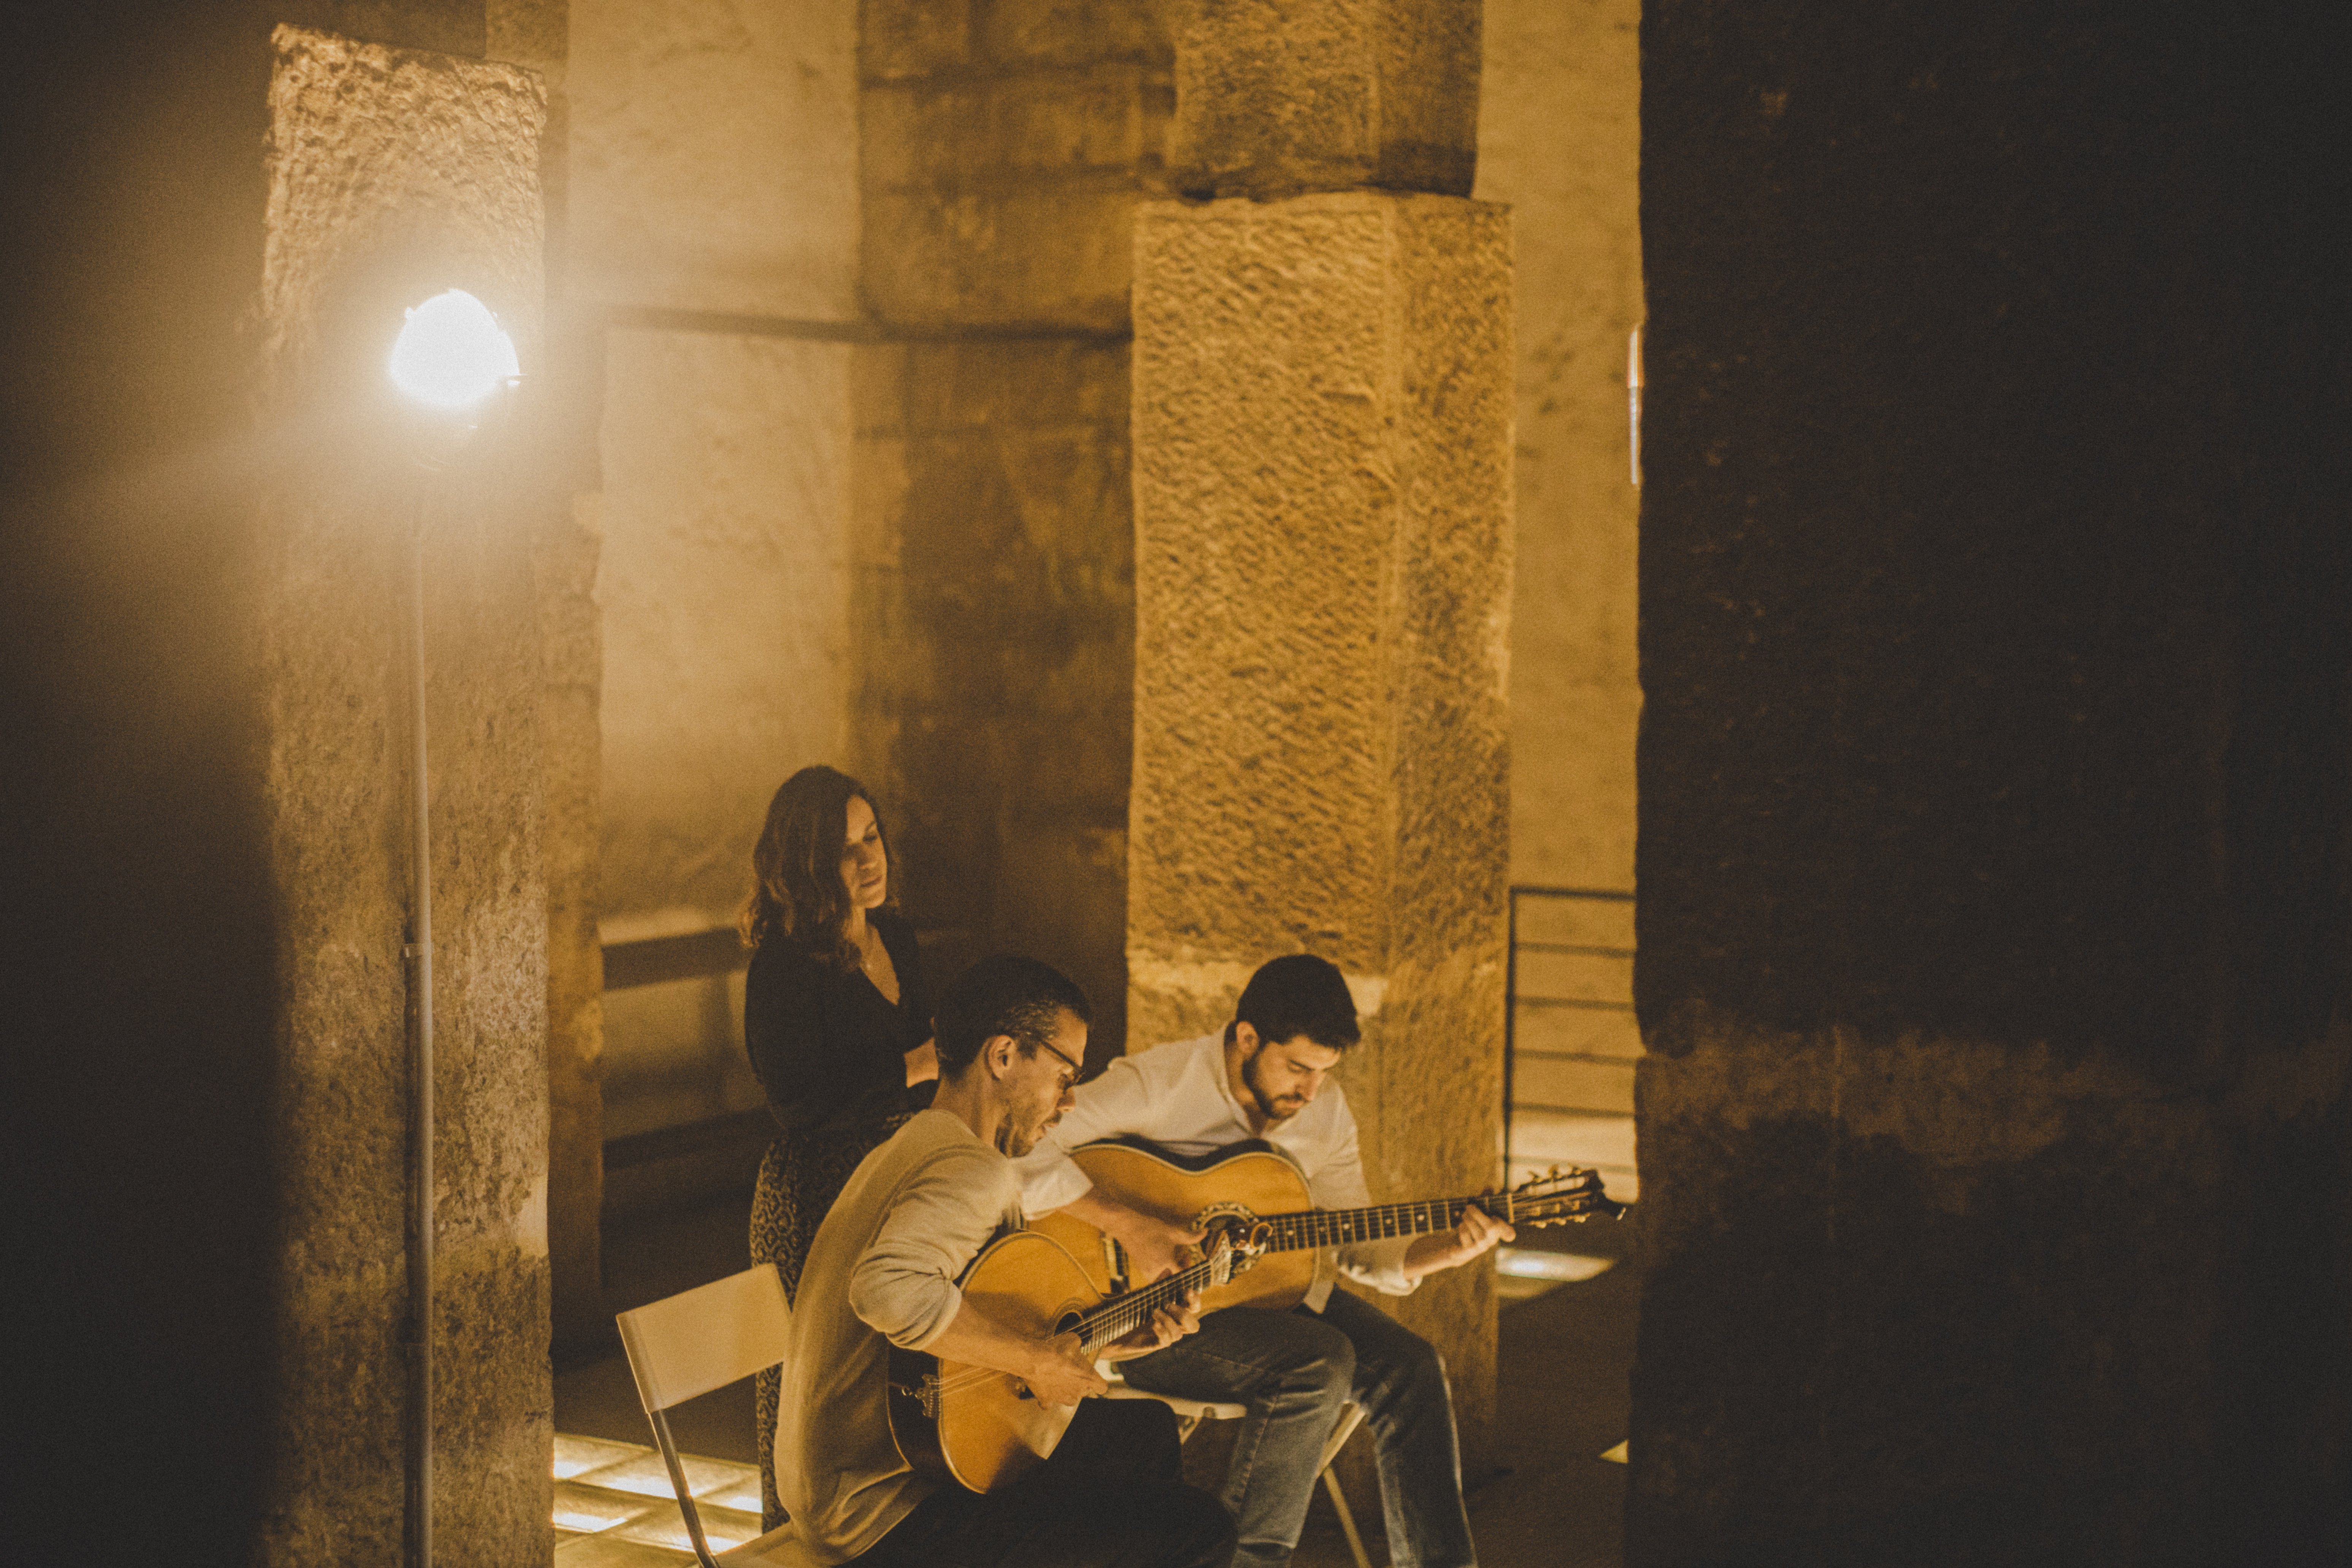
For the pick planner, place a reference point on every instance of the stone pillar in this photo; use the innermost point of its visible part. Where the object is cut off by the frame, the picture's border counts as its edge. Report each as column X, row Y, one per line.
column 567, row 399
column 571, row 629
column 1323, row 571
column 1994, row 637
column 1002, row 152
column 393, row 174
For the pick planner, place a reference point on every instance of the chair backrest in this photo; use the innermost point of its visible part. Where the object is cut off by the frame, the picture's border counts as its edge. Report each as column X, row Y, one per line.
column 707, row 1336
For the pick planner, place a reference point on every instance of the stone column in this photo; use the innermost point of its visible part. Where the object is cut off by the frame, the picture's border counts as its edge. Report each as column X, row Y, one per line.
column 566, row 402
column 395, row 175
column 1994, row 638
column 1322, row 421
column 1002, row 152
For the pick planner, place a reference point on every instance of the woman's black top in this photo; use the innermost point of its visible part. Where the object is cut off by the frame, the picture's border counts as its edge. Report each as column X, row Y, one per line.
column 828, row 1048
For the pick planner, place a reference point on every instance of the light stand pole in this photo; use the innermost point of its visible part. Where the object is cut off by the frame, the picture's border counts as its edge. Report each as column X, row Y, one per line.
column 454, row 359
column 420, row 1089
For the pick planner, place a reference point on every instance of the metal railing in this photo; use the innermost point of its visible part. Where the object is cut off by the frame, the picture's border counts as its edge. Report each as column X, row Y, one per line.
column 1518, row 994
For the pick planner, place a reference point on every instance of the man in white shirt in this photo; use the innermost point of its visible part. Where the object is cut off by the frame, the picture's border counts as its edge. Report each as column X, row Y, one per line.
column 1265, row 1076
column 883, row 1271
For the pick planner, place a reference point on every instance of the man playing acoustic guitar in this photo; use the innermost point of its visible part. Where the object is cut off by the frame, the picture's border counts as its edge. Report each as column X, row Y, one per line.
column 883, row 1271
column 1265, row 1076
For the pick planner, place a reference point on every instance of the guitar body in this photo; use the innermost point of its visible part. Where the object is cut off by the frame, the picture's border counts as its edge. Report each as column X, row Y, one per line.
column 1239, row 1182
column 982, row 1430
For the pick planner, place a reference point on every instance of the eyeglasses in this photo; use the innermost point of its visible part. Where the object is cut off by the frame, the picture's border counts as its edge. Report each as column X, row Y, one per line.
column 1078, row 1070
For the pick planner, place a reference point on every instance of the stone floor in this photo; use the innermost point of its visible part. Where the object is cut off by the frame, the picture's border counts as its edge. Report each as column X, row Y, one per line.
column 1556, row 1503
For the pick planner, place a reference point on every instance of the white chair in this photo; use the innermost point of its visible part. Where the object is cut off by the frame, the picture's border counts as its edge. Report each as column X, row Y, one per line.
column 692, row 1342
column 1190, row 1412
column 1351, row 1417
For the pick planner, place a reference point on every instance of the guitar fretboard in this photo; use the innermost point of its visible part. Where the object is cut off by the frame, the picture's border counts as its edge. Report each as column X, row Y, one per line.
column 1346, row 1228
column 1122, row 1316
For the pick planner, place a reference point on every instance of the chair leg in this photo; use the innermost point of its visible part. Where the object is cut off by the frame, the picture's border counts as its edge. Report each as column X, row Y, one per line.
column 1347, row 1520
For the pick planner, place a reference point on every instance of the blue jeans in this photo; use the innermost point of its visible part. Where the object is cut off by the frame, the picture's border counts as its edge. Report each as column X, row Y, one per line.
column 1293, row 1370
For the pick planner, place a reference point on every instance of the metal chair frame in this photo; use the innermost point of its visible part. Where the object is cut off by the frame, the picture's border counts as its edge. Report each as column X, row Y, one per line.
column 1190, row 1412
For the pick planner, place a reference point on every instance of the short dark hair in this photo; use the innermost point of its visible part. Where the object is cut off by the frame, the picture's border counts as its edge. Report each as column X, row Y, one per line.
column 1299, row 994
column 1003, row 996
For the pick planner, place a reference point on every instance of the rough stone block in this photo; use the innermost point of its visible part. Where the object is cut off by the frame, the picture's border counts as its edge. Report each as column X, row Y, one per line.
column 1054, row 252
column 1278, row 96
column 1042, row 386
column 925, row 135
column 393, row 176
column 995, row 661
column 1090, row 121
column 1073, row 32
column 906, row 131
column 726, row 589
column 877, row 389
column 714, row 156
column 902, row 38
column 1322, row 479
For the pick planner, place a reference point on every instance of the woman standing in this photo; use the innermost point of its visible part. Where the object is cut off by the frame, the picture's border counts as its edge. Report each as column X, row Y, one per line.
column 835, row 1018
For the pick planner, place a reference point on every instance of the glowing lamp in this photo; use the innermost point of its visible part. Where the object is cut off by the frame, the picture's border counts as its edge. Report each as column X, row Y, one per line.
column 452, row 354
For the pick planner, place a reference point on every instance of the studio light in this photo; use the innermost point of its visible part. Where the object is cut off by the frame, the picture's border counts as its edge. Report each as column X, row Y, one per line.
column 452, row 354
column 452, row 359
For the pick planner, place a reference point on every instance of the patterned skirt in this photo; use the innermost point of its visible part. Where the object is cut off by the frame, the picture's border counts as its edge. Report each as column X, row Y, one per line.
column 802, row 1173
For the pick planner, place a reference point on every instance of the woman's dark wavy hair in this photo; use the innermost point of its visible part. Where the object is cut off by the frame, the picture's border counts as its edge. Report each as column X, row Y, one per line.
column 796, row 891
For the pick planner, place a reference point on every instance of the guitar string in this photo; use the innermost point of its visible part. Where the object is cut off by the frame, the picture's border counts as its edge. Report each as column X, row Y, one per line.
column 1124, row 1311
column 1324, row 1227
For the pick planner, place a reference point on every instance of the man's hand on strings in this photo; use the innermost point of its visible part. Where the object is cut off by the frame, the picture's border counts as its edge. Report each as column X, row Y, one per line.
column 1478, row 1233
column 1062, row 1375
column 1169, row 1324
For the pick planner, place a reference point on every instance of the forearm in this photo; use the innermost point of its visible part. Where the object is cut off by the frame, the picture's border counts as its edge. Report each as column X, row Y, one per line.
column 1109, row 1216
column 975, row 1339
column 1427, row 1255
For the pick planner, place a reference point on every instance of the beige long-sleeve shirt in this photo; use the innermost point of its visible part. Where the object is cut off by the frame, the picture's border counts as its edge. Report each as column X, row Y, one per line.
column 882, row 1271
column 1178, row 1096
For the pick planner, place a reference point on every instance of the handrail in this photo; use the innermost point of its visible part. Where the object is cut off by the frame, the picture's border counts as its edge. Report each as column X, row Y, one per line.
column 1511, row 981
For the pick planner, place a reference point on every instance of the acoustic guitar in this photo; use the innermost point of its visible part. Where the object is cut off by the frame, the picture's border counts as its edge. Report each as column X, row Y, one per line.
column 981, row 1428
column 1254, row 1196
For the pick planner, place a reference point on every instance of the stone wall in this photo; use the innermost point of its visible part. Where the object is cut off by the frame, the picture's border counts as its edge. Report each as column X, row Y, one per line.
column 1559, row 141
column 714, row 156
column 1004, row 148
column 1994, row 639
column 711, row 265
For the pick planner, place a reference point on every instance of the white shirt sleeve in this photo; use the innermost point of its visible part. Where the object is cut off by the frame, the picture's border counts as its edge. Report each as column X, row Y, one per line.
column 904, row 1286
column 1338, row 1184
column 1115, row 1103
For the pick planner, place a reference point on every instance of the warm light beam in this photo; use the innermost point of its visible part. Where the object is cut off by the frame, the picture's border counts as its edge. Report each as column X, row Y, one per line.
column 452, row 354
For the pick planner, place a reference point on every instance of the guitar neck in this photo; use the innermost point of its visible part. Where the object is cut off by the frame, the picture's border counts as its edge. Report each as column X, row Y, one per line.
column 1346, row 1228
column 1122, row 1315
